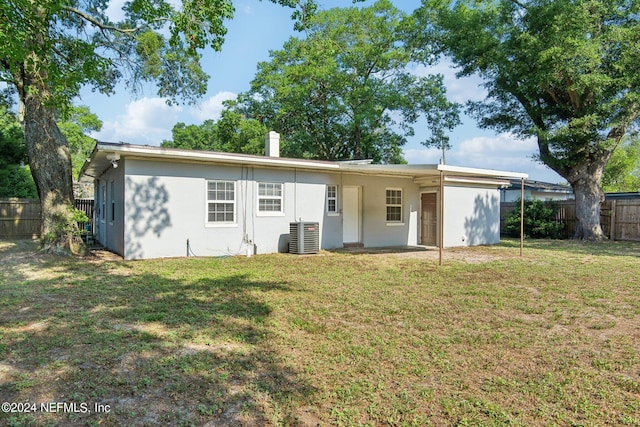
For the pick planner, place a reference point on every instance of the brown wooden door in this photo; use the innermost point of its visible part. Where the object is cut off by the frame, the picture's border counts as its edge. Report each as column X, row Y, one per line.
column 429, row 219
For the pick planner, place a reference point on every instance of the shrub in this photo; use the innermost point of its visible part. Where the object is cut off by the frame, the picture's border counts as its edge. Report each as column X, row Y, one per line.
column 539, row 220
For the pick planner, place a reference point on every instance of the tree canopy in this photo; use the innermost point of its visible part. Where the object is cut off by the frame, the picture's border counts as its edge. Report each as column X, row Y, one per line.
column 75, row 43
column 49, row 49
column 345, row 90
column 15, row 175
column 76, row 127
column 563, row 71
column 622, row 173
column 231, row 133
column 15, row 178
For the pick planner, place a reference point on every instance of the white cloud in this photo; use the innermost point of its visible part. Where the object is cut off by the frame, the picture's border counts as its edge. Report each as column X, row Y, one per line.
column 212, row 107
column 458, row 89
column 501, row 152
column 114, row 11
column 146, row 121
column 503, row 143
column 422, row 156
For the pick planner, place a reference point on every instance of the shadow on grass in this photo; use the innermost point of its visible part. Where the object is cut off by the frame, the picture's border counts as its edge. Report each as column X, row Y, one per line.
column 152, row 348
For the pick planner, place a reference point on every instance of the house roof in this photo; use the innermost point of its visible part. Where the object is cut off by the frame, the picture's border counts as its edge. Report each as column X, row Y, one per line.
column 623, row 196
column 543, row 187
column 105, row 152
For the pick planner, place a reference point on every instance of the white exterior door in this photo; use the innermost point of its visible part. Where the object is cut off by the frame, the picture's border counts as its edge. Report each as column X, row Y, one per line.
column 351, row 212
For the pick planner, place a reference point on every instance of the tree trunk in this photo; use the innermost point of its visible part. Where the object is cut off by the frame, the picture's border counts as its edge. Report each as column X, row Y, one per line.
column 589, row 196
column 357, row 143
column 50, row 162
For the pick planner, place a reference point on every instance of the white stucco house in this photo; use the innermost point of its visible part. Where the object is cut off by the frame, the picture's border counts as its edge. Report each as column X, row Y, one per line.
column 153, row 202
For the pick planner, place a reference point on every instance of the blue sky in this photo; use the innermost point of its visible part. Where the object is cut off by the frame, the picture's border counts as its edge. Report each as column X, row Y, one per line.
column 261, row 26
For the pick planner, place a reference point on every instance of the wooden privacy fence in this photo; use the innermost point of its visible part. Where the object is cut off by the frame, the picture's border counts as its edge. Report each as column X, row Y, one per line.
column 86, row 205
column 620, row 219
column 20, row 218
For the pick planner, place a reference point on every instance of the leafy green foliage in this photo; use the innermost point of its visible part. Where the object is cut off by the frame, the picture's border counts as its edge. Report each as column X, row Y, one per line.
column 623, row 169
column 233, row 133
column 540, row 220
column 563, row 71
column 16, row 181
column 239, row 134
column 79, row 216
column 79, row 122
column 345, row 92
column 49, row 49
column 15, row 178
column 194, row 137
column 12, row 149
column 75, row 43
column 66, row 227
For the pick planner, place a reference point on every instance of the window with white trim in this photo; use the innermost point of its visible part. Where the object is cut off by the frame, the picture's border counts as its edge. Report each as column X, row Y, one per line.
column 394, row 204
column 270, row 200
column 221, row 202
column 332, row 199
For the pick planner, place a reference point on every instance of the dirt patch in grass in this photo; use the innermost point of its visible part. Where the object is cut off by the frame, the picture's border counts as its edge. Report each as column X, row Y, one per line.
column 378, row 338
column 471, row 255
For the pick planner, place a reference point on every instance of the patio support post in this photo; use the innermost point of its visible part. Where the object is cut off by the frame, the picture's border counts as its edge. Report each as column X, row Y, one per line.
column 441, row 237
column 521, row 216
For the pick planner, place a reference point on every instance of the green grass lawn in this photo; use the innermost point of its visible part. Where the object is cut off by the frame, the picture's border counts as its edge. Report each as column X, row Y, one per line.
column 552, row 338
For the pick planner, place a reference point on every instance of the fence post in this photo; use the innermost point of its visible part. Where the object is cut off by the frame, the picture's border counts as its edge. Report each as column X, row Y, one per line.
column 612, row 221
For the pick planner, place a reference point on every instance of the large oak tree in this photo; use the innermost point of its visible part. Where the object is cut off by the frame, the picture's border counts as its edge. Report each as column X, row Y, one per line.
column 49, row 49
column 564, row 71
column 346, row 91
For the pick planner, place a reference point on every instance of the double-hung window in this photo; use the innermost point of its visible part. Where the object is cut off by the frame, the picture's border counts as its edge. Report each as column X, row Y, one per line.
column 394, row 204
column 332, row 199
column 270, row 198
column 221, row 202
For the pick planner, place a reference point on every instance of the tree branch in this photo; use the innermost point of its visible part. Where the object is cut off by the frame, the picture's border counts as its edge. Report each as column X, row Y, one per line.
column 517, row 3
column 100, row 25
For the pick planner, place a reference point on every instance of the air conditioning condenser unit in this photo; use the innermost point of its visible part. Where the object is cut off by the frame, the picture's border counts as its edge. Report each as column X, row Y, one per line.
column 304, row 238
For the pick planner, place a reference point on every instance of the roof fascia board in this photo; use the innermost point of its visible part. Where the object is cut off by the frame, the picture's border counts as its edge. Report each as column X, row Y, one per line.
column 418, row 172
column 480, row 181
column 481, row 172
column 215, row 157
